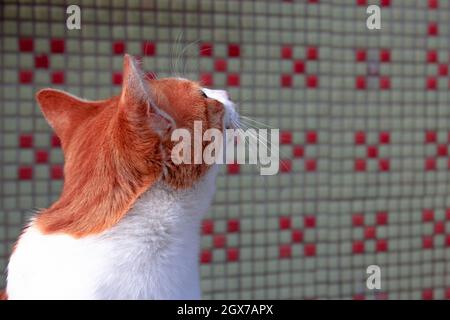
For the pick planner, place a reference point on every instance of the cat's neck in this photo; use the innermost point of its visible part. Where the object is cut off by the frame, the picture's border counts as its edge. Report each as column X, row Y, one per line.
column 162, row 232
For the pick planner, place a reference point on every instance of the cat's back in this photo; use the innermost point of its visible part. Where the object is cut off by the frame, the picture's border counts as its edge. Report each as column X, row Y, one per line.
column 147, row 255
column 53, row 266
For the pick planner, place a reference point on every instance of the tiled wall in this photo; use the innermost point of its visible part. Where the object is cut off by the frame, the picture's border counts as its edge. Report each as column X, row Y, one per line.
column 364, row 118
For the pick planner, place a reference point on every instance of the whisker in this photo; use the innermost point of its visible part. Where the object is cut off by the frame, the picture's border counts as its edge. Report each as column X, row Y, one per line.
column 181, row 54
column 256, row 121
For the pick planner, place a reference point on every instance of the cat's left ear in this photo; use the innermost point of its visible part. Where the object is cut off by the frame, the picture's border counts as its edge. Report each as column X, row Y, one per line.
column 138, row 100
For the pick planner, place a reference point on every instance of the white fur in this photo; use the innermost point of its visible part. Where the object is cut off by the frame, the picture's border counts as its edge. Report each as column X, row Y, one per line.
column 152, row 253
column 231, row 116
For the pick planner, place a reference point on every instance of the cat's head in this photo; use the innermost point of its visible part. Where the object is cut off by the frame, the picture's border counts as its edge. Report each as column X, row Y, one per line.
column 115, row 149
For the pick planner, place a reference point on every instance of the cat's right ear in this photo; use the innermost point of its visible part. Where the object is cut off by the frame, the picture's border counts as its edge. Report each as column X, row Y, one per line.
column 138, row 99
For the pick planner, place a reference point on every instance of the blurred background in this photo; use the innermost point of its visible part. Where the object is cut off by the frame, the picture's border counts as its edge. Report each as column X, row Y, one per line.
column 364, row 119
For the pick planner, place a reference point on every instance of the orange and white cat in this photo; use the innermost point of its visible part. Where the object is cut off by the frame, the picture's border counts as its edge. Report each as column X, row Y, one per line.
column 126, row 225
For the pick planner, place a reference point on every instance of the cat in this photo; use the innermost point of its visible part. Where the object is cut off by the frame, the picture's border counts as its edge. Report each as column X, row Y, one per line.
column 127, row 223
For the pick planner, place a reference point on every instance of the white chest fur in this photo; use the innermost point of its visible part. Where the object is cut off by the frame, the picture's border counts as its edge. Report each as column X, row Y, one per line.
column 152, row 253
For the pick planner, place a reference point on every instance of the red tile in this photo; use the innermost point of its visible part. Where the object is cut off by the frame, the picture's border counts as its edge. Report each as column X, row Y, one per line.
column 25, row 173
column 55, row 141
column 384, row 137
column 427, row 242
column 298, row 151
column 57, row 172
column 360, row 83
column 297, row 236
column 26, row 45
column 286, row 137
column 299, row 66
column 312, row 81
column 447, row 240
column 427, row 294
column 41, row 61
column 58, row 77
column 358, row 219
column 433, row 29
column 233, row 168
column 286, row 165
column 220, row 65
column 432, row 56
column 443, row 70
column 384, row 165
column 361, row 55
column 208, row 226
column 148, row 48
column 284, row 223
column 358, row 247
column 360, row 165
column 205, row 256
column 382, row 245
column 233, row 254
column 439, row 227
column 442, row 150
column 233, row 80
column 372, row 151
column 151, row 75
column 382, row 218
column 57, row 46
column 370, row 232
column 431, row 83
column 285, row 251
column 233, row 225
column 430, row 137
column 26, row 141
column 385, row 55
column 118, row 47
column 385, row 83
column 206, row 79
column 433, row 4
column 430, row 164
column 447, row 294
column 309, row 221
column 309, row 250
column 41, row 156
column 234, row 50
column 311, row 137
column 359, row 296
column 360, row 137
column 117, row 78
column 286, row 52
column 310, row 165
column 219, row 241
column 206, row 49
column 26, row 77
column 286, row 80
column 447, row 214
column 381, row 295
column 427, row 215
column 312, row 53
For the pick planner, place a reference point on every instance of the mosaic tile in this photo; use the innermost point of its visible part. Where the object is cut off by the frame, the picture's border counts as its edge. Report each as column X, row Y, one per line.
column 365, row 163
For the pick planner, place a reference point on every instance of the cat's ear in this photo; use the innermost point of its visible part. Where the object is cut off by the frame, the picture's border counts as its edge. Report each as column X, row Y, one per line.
column 63, row 111
column 138, row 98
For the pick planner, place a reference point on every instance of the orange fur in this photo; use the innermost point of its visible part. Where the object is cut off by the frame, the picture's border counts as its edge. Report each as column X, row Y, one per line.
column 3, row 295
column 115, row 150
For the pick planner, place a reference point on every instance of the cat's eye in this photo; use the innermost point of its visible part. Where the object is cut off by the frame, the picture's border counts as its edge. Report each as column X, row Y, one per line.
column 203, row 94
